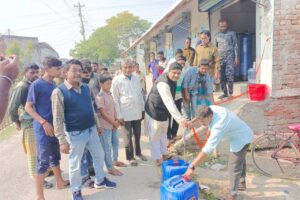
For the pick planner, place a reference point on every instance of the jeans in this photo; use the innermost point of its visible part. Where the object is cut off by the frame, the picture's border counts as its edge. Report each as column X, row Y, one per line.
column 132, row 128
column 78, row 141
column 115, row 144
column 110, row 142
column 190, row 108
column 86, row 163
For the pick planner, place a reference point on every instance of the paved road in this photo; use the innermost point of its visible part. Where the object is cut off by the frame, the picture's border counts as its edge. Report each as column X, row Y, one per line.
column 137, row 183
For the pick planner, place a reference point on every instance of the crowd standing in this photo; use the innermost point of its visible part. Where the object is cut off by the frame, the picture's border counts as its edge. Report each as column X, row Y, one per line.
column 79, row 109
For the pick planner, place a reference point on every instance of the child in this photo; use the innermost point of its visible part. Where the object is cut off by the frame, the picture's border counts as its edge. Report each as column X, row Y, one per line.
column 109, row 138
column 162, row 65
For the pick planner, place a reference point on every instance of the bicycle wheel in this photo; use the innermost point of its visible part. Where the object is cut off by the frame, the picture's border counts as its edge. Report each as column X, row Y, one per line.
column 274, row 156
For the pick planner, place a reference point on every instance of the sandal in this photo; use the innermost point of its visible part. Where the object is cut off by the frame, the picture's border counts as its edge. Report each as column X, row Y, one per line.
column 120, row 164
column 115, row 172
column 88, row 183
column 143, row 158
column 133, row 163
column 48, row 185
column 242, row 187
column 64, row 186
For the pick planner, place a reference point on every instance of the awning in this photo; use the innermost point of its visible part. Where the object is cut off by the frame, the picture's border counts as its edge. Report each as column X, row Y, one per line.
column 211, row 5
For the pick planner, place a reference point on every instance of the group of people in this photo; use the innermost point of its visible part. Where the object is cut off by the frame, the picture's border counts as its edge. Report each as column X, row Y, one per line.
column 218, row 59
column 76, row 108
column 188, row 80
column 80, row 116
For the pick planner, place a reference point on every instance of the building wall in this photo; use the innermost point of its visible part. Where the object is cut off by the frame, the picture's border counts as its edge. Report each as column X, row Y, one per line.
column 282, row 108
column 199, row 21
column 264, row 42
column 286, row 66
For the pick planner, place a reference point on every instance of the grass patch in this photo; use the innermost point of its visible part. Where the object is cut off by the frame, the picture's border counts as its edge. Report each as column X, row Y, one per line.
column 7, row 132
column 207, row 195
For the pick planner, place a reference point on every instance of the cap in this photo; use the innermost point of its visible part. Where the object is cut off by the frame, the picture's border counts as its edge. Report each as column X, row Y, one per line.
column 204, row 62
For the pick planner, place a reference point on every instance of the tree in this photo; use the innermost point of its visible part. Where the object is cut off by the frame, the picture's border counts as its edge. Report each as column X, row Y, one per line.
column 14, row 48
column 127, row 27
column 107, row 42
column 101, row 46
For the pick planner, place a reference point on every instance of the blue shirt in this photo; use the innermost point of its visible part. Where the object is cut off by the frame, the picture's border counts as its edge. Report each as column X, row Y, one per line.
column 226, row 124
column 191, row 82
column 40, row 96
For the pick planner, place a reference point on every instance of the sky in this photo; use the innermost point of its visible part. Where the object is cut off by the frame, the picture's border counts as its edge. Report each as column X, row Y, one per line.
column 57, row 22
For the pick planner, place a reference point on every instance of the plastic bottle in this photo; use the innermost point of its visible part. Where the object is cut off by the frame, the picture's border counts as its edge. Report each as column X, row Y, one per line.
column 252, row 75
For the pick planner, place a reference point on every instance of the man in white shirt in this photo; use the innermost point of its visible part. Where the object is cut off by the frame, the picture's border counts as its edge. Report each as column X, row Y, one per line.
column 128, row 97
column 224, row 124
column 160, row 104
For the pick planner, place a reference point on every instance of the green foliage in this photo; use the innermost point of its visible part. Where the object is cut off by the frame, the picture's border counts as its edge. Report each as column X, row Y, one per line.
column 107, row 42
column 102, row 45
column 14, row 48
column 127, row 27
column 28, row 51
column 24, row 54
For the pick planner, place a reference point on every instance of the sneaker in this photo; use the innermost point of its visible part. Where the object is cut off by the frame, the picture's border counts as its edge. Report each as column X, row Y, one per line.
column 77, row 195
column 223, row 96
column 105, row 184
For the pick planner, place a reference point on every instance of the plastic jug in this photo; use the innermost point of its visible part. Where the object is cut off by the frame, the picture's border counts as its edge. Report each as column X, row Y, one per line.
column 173, row 167
column 252, row 75
column 179, row 188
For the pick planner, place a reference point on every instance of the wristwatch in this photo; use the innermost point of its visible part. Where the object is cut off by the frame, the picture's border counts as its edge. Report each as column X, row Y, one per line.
column 192, row 167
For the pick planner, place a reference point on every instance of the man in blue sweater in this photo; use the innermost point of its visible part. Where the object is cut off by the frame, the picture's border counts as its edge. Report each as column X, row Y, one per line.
column 73, row 109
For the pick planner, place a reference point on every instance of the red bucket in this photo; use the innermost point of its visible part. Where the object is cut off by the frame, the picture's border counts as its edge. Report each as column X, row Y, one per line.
column 257, row 92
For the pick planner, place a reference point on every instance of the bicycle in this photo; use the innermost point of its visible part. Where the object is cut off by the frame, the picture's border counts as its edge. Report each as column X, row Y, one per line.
column 278, row 154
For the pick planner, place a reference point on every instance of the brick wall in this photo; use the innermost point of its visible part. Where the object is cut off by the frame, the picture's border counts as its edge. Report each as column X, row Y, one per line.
column 284, row 107
column 281, row 112
column 286, row 48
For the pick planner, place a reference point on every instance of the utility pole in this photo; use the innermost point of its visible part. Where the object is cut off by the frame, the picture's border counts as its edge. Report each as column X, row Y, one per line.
column 82, row 30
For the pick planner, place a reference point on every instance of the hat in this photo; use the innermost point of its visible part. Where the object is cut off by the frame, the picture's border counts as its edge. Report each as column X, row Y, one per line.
column 204, row 62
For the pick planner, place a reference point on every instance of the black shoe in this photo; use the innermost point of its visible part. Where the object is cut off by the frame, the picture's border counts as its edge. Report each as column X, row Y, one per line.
column 77, row 195
column 223, row 96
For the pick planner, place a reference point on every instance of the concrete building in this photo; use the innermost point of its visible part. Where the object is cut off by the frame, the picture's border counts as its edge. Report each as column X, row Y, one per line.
column 273, row 27
column 32, row 49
